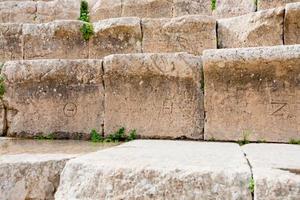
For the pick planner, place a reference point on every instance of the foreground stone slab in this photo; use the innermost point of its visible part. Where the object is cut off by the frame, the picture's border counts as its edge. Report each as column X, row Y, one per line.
column 59, row 97
column 54, row 40
column 252, row 93
column 266, row 4
column 292, row 24
column 158, row 170
column 113, row 36
column 26, row 176
column 190, row 34
column 264, row 28
column 276, row 170
column 231, row 8
column 159, row 95
column 191, row 7
column 17, row 12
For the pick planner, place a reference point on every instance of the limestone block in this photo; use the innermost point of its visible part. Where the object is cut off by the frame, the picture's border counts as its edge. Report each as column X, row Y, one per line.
column 266, row 4
column 17, row 12
column 105, row 9
column 59, row 39
column 158, row 170
column 159, row 95
column 113, row 36
column 292, row 24
column 27, row 176
column 231, row 8
column 276, row 170
column 2, row 119
column 11, row 42
column 252, row 93
column 191, row 7
column 147, row 8
column 190, row 34
column 263, row 28
column 59, row 97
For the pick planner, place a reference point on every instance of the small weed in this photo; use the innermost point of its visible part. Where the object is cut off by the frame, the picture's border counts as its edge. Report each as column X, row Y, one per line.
column 95, row 136
column 87, row 28
column 118, row 136
column 251, row 185
column 245, row 140
column 293, row 141
column 132, row 135
column 2, row 86
column 213, row 5
column 43, row 137
column 212, row 139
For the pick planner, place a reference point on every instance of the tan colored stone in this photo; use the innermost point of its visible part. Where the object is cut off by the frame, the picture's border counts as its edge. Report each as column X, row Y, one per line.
column 59, row 39
column 263, row 28
column 105, row 9
column 59, row 97
column 292, row 24
column 113, row 36
column 17, row 12
column 147, row 8
column 159, row 95
column 2, row 119
column 231, row 8
column 190, row 34
column 252, row 93
column 192, row 7
column 11, row 42
column 266, row 4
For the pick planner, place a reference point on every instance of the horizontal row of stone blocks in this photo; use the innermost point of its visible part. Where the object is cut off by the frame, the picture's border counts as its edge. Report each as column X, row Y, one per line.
column 248, row 94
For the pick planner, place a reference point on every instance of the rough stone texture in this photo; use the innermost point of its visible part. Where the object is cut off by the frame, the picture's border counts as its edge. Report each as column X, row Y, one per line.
column 2, row 119
column 276, row 170
column 59, row 97
column 292, row 24
column 113, row 36
column 266, row 4
column 158, row 170
column 159, row 95
column 10, row 42
column 104, row 9
column 264, row 28
column 191, row 7
column 59, row 39
column 147, row 8
column 190, row 34
column 28, row 176
column 230, row 8
column 17, row 12
column 252, row 93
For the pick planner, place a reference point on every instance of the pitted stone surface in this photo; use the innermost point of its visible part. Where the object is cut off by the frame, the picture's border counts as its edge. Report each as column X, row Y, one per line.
column 105, row 9
column 54, row 40
column 264, row 28
column 252, row 93
column 292, row 24
column 113, row 36
column 59, row 97
column 16, row 12
column 159, row 95
column 191, row 7
column 190, row 34
column 230, row 8
column 266, row 4
column 276, row 170
column 158, row 170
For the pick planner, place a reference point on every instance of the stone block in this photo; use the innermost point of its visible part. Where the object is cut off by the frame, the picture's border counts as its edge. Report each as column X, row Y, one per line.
column 59, row 97
column 113, row 36
column 190, row 34
column 17, row 12
column 252, row 93
column 191, row 7
column 105, row 9
column 266, row 4
column 263, row 28
column 159, row 95
column 292, row 24
column 231, row 8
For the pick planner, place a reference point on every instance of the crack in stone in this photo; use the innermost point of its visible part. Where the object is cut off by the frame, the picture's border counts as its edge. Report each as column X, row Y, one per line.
column 251, row 171
column 294, row 171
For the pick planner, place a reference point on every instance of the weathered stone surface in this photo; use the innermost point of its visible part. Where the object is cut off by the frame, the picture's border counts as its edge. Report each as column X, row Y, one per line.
column 2, row 119
column 252, row 93
column 104, row 9
column 191, row 7
column 276, row 170
column 190, row 34
column 266, row 4
column 16, row 12
column 159, row 95
column 231, row 8
column 11, row 42
column 264, row 28
column 292, row 24
column 158, row 170
column 59, row 97
column 113, row 36
column 147, row 8
column 59, row 39
column 27, row 176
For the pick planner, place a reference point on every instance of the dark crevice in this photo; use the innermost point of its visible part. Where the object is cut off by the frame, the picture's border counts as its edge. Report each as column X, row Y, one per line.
column 5, row 124
column 103, row 105
column 283, row 27
column 251, row 171
column 142, row 35
column 217, row 37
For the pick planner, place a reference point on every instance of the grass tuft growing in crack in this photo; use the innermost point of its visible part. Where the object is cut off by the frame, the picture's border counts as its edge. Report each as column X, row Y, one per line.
column 294, row 141
column 251, row 185
column 87, row 28
column 119, row 136
column 213, row 5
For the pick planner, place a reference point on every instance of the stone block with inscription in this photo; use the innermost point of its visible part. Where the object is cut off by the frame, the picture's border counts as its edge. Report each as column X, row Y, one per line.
column 159, row 95
column 252, row 93
column 63, row 98
column 292, row 24
column 266, row 4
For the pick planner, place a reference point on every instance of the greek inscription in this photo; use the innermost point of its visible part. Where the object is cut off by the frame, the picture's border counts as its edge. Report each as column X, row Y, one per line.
column 70, row 109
